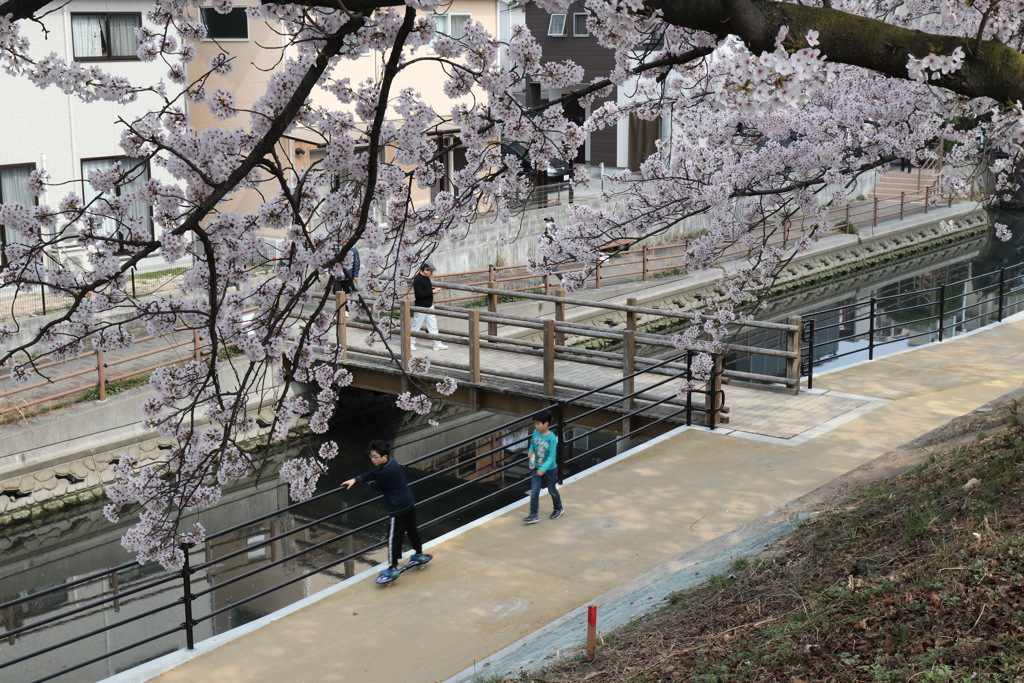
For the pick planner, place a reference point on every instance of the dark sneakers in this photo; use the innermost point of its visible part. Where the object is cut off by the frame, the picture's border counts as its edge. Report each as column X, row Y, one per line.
column 532, row 519
column 557, row 513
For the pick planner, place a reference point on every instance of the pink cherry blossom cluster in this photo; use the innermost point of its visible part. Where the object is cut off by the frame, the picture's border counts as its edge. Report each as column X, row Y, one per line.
column 934, row 66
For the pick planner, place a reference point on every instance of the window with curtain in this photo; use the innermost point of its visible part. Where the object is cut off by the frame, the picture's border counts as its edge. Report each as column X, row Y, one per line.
column 13, row 191
column 137, row 171
column 105, row 36
column 556, row 25
column 452, row 25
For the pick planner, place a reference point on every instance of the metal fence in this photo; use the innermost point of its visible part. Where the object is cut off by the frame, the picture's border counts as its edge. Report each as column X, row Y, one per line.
column 125, row 608
column 43, row 300
column 859, row 330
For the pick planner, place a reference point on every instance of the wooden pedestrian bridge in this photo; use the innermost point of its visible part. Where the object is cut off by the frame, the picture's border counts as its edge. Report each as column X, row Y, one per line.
column 604, row 363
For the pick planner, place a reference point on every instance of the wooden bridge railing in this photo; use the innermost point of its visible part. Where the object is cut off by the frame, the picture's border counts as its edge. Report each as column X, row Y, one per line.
column 557, row 338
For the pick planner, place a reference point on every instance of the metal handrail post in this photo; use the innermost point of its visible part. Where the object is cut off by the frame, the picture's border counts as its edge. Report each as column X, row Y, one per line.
column 186, row 599
column 809, row 332
column 1002, row 292
column 560, row 444
column 871, row 329
column 689, row 392
column 942, row 310
column 793, row 345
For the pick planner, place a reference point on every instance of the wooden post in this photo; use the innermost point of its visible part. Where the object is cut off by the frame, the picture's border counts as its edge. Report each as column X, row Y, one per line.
column 492, row 306
column 927, row 197
column 474, row 346
column 101, row 371
column 549, row 357
column 631, row 316
column 597, row 274
column 793, row 346
column 406, row 332
column 847, row 218
column 628, row 368
column 903, row 199
column 197, row 351
column 560, row 317
column 875, row 216
column 645, row 267
column 341, row 302
column 712, row 400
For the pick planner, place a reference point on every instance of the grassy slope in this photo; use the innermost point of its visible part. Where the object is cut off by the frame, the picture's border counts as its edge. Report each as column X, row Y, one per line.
column 919, row 578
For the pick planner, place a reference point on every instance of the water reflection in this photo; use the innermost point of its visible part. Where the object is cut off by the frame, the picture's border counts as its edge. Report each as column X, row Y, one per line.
column 81, row 542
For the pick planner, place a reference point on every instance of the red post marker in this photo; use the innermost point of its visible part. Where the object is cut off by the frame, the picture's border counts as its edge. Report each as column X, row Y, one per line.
column 591, row 630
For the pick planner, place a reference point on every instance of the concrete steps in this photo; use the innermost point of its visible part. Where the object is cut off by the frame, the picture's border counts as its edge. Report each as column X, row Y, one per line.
column 893, row 183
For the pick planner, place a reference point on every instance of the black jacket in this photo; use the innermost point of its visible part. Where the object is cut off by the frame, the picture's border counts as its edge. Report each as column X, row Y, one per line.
column 423, row 290
column 390, row 480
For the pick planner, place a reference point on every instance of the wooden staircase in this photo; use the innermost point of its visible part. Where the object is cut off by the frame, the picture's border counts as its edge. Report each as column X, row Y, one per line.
column 893, row 183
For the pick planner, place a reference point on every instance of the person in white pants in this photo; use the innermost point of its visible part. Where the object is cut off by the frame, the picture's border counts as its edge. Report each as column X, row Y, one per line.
column 423, row 292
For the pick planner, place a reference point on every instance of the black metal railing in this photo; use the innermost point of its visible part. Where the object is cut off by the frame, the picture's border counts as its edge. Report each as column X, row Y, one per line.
column 858, row 330
column 166, row 609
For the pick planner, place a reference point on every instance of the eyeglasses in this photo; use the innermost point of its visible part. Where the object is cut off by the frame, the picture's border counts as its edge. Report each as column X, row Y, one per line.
column 374, row 456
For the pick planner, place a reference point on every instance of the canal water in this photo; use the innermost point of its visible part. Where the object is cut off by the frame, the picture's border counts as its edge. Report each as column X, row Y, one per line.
column 905, row 317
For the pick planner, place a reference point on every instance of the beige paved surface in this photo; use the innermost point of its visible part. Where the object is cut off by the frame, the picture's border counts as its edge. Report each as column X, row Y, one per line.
column 500, row 581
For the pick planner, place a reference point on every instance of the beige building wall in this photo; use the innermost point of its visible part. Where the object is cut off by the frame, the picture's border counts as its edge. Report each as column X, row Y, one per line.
column 254, row 65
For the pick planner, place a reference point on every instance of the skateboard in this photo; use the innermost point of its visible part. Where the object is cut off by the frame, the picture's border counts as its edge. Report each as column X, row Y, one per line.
column 388, row 580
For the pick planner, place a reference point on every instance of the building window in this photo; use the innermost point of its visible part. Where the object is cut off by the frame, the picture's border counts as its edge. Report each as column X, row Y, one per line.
column 231, row 26
column 654, row 40
column 13, row 191
column 556, row 25
column 105, row 36
column 579, row 25
column 452, row 25
column 135, row 173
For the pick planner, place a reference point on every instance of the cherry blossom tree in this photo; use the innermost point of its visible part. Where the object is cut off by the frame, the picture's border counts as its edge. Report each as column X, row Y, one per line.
column 771, row 103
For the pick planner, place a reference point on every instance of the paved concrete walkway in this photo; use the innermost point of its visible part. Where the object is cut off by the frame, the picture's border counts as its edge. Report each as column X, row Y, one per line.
column 498, row 581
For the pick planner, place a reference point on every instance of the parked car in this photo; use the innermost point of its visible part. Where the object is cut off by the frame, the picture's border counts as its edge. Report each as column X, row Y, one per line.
column 556, row 171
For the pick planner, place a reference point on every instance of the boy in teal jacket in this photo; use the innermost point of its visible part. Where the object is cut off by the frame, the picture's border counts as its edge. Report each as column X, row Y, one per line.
column 543, row 467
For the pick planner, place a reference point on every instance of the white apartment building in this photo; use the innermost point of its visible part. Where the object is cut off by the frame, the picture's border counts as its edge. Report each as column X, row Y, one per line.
column 61, row 134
